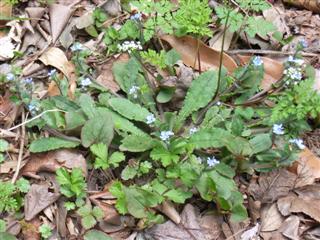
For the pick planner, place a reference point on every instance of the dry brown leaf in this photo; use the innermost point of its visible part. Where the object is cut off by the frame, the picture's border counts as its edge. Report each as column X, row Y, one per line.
column 312, row 5
column 51, row 161
column 35, row 13
column 56, row 57
column 251, row 233
column 9, row 110
column 271, row 218
column 290, row 227
column 168, row 209
column 308, row 207
column 112, row 7
column 188, row 48
column 284, row 204
column 106, row 77
column 211, row 226
column 307, row 167
column 59, row 17
column 273, row 185
column 216, row 41
column 30, row 231
column 309, row 192
column 273, row 70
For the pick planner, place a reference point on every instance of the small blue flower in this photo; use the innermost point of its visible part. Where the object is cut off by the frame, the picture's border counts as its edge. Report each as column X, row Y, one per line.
column 10, row 76
column 33, row 108
column 85, row 82
column 212, row 161
column 303, row 43
column 28, row 81
column 150, row 119
column 257, row 61
column 136, row 17
column 193, row 130
column 77, row 47
column 298, row 142
column 278, row 129
column 52, row 72
column 134, row 91
column 165, row 135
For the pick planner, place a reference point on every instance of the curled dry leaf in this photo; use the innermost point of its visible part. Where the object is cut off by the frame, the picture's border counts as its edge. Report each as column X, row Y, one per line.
column 59, row 17
column 312, row 5
column 188, row 48
column 273, row 70
column 307, row 168
column 168, row 209
column 309, row 207
column 271, row 218
column 284, row 204
column 250, row 233
column 55, row 57
column 35, row 13
column 290, row 227
column 51, row 161
column 38, row 198
column 273, row 185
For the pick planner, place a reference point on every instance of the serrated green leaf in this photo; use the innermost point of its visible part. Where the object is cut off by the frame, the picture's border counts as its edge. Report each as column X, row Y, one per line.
column 23, row 185
column 178, row 195
column 136, row 143
column 200, row 93
column 172, row 57
column 164, row 156
column 129, row 109
column 98, row 213
column 51, row 143
column 116, row 158
column 258, row 26
column 98, row 129
column 88, row 221
column 129, row 173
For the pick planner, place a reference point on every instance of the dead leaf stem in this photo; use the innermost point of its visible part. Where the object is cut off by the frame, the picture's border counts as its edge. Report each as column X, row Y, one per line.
column 269, row 52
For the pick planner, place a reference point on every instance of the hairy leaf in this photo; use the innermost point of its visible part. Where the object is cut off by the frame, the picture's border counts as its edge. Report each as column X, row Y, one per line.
column 206, row 138
column 51, row 143
column 137, row 143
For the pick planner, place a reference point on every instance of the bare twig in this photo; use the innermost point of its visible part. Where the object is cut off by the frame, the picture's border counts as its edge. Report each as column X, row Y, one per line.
column 269, row 52
column 22, row 138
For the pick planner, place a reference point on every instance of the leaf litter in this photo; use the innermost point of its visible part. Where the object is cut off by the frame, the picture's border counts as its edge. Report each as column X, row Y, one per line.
column 286, row 200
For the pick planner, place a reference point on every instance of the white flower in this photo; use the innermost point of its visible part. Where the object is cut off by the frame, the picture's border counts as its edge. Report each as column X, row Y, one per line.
column 257, row 61
column 136, row 17
column 298, row 142
column 77, row 47
column 33, row 108
column 303, row 43
column 199, row 160
column 165, row 135
column 193, row 130
column 6, row 47
column 212, row 161
column 218, row 103
column 278, row 129
column 52, row 72
column 10, row 76
column 134, row 91
column 85, row 82
column 297, row 61
column 150, row 119
column 128, row 46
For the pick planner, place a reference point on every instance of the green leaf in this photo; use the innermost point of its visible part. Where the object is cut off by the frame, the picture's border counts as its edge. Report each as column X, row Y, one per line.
column 98, row 213
column 224, row 186
column 87, row 105
column 129, row 109
column 88, row 222
column 100, row 150
column 96, row 235
column 129, row 173
column 225, row 170
column 178, row 195
column 135, row 202
column 164, row 156
column 71, row 184
column 116, row 190
column 206, row 186
column 165, row 95
column 74, row 119
column 238, row 213
column 4, row 145
column 205, row 138
column 2, row 225
column 98, row 129
column 136, row 143
column 239, row 146
column 258, row 26
column 260, row 143
column 7, row 236
column 172, row 57
column 200, row 93
column 116, row 158
column 51, row 143
column 23, row 185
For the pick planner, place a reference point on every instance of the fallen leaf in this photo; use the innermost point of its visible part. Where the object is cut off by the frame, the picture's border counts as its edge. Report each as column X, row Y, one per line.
column 309, row 192
column 5, row 12
column 308, row 207
column 273, row 185
column 61, row 217
column 290, row 227
column 53, row 160
column 9, row 110
column 85, row 20
column 56, row 57
column 168, row 209
column 216, row 41
column 35, row 13
column 250, row 233
column 211, row 225
column 312, row 5
column 188, row 48
column 112, row 7
column 284, row 204
column 59, row 17
column 273, row 70
column 307, row 168
column 38, row 198
column 30, row 231
column 271, row 218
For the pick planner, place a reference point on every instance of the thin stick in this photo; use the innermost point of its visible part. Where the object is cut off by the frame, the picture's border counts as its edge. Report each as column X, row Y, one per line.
column 34, row 118
column 271, row 52
column 22, row 138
